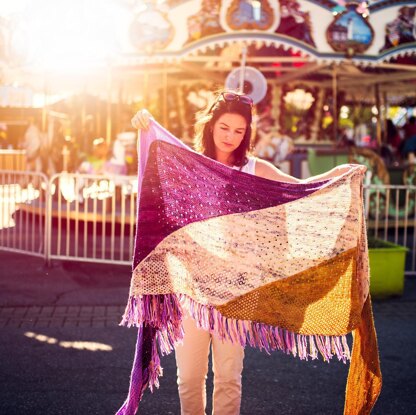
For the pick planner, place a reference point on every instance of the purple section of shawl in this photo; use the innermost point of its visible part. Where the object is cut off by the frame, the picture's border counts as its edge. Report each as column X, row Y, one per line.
column 147, row 137
column 180, row 187
column 140, row 374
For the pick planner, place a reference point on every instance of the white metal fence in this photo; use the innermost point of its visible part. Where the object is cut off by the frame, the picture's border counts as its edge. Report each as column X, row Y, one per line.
column 391, row 216
column 23, row 202
column 92, row 218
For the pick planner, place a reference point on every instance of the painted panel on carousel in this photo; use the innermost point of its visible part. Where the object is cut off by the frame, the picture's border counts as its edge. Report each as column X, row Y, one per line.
column 350, row 32
column 402, row 29
column 205, row 22
column 307, row 25
column 383, row 4
column 361, row 7
column 249, row 15
column 151, row 30
column 294, row 22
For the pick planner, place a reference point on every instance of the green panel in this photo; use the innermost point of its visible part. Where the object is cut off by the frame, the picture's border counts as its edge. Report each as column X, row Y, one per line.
column 321, row 163
column 387, row 270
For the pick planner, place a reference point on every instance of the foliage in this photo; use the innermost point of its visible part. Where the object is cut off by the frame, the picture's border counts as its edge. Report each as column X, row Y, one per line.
column 377, row 243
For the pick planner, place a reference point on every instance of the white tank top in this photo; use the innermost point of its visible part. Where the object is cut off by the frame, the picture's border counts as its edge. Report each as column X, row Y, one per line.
column 249, row 167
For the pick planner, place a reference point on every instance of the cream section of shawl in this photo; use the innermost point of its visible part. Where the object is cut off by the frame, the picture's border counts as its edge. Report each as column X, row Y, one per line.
column 218, row 259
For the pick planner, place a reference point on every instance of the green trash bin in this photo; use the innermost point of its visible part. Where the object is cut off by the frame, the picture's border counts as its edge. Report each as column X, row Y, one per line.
column 387, row 264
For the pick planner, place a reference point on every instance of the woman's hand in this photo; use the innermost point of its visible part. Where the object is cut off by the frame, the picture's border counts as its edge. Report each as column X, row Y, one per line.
column 141, row 119
column 334, row 172
column 341, row 169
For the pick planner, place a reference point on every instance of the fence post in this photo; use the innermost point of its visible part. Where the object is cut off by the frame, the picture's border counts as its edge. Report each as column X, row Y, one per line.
column 48, row 221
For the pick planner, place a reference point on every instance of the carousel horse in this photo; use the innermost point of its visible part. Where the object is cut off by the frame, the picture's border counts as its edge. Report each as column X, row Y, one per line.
column 378, row 198
column 273, row 147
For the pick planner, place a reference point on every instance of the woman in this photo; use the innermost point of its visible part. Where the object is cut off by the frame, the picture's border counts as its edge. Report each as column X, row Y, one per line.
column 223, row 133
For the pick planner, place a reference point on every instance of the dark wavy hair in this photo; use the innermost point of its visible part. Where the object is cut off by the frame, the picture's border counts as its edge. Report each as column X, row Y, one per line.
column 206, row 118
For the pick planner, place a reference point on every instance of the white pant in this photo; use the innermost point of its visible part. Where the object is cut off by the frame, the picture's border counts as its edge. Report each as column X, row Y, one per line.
column 192, row 363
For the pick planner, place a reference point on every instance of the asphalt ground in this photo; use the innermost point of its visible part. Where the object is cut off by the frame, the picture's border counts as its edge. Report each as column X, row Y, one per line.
column 62, row 351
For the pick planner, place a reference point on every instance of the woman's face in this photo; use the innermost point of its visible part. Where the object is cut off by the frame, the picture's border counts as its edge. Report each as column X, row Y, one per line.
column 228, row 132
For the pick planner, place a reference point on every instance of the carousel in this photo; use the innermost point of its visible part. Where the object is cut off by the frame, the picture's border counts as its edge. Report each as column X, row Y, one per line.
column 328, row 79
column 324, row 74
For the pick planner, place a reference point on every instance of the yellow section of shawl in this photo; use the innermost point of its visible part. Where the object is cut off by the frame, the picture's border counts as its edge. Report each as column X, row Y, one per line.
column 321, row 300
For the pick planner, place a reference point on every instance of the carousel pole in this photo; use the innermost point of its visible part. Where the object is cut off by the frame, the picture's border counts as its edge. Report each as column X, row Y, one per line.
column 44, row 122
column 85, row 144
column 45, row 102
column 378, row 125
column 108, row 112
column 165, row 95
column 146, row 89
column 97, row 107
column 317, row 117
column 120, row 106
column 385, row 116
column 243, row 67
column 335, row 104
column 275, row 112
column 181, row 111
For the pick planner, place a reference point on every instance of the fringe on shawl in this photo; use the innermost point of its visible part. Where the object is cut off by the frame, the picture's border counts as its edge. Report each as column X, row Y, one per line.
column 143, row 374
column 165, row 313
column 160, row 311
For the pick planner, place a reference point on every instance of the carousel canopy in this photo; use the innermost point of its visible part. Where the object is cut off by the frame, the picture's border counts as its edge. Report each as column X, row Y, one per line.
column 73, row 46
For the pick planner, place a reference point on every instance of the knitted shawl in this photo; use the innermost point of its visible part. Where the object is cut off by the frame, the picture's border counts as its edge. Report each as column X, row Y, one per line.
column 269, row 264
